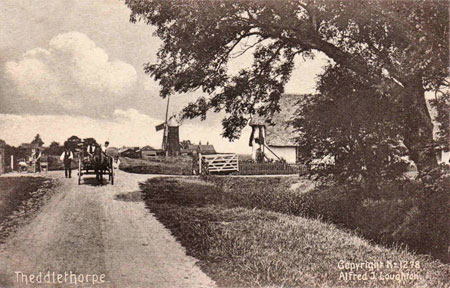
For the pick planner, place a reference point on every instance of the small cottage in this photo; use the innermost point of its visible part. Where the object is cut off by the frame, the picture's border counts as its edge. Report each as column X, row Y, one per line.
column 273, row 139
column 443, row 157
column 149, row 151
column 131, row 152
column 207, row 149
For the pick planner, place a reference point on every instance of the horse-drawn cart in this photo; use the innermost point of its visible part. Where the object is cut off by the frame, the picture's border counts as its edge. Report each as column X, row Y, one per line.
column 98, row 164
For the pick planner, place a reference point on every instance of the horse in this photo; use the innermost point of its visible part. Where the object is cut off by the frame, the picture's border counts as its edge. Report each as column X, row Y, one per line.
column 98, row 163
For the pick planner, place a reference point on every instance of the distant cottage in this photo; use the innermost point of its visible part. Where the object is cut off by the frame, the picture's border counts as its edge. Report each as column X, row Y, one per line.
column 275, row 138
column 131, row 152
column 149, row 152
column 204, row 149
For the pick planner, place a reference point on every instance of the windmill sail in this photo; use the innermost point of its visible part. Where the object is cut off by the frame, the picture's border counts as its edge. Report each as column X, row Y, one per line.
column 160, row 126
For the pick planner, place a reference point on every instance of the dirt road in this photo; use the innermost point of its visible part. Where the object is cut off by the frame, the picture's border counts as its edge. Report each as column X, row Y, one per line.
column 92, row 230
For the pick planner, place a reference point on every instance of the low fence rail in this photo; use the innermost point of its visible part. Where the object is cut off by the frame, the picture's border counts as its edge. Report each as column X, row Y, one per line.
column 274, row 168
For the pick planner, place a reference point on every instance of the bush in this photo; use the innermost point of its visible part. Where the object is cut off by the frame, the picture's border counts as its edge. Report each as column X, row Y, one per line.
column 428, row 230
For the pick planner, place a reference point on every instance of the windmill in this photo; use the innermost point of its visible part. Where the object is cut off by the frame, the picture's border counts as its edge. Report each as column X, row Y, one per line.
column 171, row 139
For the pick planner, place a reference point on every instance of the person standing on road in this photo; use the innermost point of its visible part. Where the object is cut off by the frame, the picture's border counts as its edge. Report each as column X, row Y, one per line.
column 37, row 160
column 195, row 156
column 67, row 157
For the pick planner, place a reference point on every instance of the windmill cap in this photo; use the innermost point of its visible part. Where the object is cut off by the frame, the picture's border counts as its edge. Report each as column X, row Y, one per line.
column 173, row 122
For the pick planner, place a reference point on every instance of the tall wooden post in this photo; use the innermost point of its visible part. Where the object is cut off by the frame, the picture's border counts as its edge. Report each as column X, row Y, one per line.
column 2, row 159
column 166, row 129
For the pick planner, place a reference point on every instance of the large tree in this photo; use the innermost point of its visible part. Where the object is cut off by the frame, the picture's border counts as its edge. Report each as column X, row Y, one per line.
column 398, row 50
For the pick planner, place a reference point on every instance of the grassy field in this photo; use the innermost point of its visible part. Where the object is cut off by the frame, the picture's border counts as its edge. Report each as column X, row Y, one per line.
column 19, row 197
column 400, row 213
column 245, row 234
column 181, row 165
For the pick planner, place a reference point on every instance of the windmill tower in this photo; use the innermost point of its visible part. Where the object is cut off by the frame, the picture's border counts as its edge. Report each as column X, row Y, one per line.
column 171, row 138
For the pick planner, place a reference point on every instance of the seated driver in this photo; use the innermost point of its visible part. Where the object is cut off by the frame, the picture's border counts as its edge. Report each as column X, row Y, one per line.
column 90, row 149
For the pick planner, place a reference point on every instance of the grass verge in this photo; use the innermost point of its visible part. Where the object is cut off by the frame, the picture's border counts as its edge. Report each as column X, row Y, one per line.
column 20, row 197
column 167, row 166
column 240, row 243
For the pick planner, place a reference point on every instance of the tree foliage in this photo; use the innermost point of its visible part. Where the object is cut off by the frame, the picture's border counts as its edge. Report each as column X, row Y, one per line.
column 350, row 132
column 38, row 140
column 55, row 148
column 396, row 51
column 185, row 144
column 73, row 142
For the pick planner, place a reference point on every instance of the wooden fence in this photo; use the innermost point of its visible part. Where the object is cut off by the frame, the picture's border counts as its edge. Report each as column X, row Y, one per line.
column 218, row 163
column 230, row 163
column 269, row 168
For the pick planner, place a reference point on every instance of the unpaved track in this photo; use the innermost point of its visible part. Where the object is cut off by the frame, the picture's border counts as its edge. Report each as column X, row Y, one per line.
column 86, row 230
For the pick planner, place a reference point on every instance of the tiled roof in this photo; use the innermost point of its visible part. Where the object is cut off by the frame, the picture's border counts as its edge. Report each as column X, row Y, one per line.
column 29, row 146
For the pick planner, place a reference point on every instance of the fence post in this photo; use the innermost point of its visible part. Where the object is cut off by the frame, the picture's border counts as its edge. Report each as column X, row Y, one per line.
column 199, row 163
column 12, row 163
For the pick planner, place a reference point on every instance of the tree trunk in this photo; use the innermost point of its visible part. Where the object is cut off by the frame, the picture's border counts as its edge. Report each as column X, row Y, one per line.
column 418, row 136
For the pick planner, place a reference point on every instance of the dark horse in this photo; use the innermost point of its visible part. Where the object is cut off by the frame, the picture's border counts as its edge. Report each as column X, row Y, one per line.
column 98, row 163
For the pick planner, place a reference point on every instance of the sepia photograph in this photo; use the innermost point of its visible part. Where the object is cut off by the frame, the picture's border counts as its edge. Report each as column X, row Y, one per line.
column 224, row 143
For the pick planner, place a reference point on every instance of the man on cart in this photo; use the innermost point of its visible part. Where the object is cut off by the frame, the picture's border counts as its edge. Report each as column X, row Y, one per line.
column 90, row 149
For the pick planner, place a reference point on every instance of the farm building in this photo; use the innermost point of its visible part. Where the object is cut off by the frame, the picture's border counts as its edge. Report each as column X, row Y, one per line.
column 274, row 139
column 204, row 149
column 29, row 147
column 131, row 152
column 185, row 152
column 443, row 157
column 148, row 148
column 149, row 151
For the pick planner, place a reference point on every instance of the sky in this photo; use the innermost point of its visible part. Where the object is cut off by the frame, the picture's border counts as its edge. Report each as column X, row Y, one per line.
column 75, row 67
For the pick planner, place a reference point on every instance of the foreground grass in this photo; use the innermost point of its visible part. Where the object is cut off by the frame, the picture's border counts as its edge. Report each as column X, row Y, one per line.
column 15, row 190
column 239, row 245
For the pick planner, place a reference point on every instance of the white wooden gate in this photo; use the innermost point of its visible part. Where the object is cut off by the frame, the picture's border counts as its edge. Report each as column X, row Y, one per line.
column 218, row 163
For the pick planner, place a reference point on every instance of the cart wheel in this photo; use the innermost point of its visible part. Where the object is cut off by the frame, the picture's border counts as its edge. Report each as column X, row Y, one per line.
column 111, row 173
column 79, row 171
